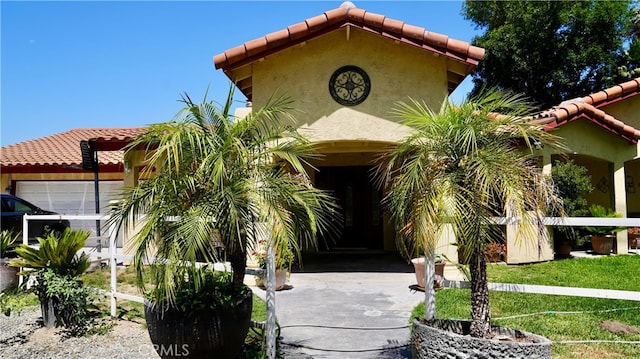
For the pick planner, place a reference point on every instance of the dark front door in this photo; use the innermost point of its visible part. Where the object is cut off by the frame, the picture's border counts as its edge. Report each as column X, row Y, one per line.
column 359, row 200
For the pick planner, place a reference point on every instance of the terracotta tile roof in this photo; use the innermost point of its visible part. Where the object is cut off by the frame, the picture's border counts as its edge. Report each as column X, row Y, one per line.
column 347, row 15
column 63, row 149
column 590, row 108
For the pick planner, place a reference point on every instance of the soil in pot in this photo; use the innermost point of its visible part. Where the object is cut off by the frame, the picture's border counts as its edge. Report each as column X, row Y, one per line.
column 449, row 338
column 198, row 334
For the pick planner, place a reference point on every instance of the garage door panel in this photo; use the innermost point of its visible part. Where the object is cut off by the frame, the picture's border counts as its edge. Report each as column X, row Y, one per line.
column 69, row 197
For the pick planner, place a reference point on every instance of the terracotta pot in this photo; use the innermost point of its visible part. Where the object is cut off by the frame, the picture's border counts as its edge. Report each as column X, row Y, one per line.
column 8, row 275
column 634, row 240
column 449, row 338
column 602, row 244
column 281, row 279
column 419, row 268
column 563, row 249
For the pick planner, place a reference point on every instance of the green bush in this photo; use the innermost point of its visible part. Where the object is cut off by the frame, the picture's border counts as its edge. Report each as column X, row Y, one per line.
column 572, row 183
column 70, row 299
column 56, row 266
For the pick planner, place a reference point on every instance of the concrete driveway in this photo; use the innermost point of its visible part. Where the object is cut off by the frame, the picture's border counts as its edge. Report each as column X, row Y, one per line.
column 347, row 305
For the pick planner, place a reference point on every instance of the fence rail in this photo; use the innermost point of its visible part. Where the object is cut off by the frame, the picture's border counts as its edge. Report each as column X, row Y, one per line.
column 552, row 290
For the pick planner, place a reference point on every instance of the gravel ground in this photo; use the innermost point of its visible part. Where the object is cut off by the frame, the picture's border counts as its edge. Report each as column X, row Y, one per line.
column 22, row 336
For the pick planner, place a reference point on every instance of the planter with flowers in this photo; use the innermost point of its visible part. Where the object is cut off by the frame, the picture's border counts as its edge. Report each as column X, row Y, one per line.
column 495, row 252
column 633, row 235
column 284, row 261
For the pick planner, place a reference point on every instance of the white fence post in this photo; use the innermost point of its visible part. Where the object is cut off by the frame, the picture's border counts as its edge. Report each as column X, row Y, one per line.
column 271, row 303
column 113, row 235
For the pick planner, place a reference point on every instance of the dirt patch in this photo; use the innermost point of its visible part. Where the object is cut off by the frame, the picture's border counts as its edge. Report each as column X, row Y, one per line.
column 619, row 328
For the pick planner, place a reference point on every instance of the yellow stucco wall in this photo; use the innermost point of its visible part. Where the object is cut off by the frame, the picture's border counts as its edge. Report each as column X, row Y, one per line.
column 627, row 111
column 587, row 138
column 396, row 70
column 351, row 135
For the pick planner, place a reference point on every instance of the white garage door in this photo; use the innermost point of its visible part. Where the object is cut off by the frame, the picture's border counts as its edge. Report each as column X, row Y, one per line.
column 69, row 197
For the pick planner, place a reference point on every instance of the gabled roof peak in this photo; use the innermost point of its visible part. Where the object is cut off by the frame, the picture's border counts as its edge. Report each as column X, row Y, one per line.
column 348, row 5
column 590, row 107
column 235, row 61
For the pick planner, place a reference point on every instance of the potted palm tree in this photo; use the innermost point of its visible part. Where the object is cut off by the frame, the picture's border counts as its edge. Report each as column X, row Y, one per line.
column 602, row 237
column 8, row 274
column 56, row 263
column 461, row 167
column 219, row 181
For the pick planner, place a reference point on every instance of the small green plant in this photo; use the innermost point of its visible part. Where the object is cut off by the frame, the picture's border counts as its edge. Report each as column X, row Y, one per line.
column 56, row 266
column 7, row 238
column 70, row 299
column 58, row 254
column 15, row 300
column 601, row 212
column 283, row 254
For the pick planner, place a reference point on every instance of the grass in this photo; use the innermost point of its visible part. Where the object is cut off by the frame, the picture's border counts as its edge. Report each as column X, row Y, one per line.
column 613, row 272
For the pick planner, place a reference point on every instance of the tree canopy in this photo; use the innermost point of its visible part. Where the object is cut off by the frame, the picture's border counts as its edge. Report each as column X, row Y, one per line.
column 555, row 50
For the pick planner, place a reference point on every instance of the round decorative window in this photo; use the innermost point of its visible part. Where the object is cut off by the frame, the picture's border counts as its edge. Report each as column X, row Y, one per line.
column 349, row 85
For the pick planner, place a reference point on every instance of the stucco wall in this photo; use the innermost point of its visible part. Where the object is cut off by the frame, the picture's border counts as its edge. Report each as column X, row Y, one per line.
column 587, row 138
column 396, row 70
column 626, row 111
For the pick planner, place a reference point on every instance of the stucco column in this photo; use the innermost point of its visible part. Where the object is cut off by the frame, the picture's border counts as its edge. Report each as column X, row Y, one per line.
column 620, row 203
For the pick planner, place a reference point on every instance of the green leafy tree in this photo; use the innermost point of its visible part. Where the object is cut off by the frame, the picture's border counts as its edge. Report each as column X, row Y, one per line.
column 463, row 166
column 551, row 50
column 220, row 180
column 573, row 183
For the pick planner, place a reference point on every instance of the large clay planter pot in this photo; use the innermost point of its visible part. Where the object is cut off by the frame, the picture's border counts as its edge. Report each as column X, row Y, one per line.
column 281, row 279
column 563, row 249
column 602, row 244
column 8, row 275
column 419, row 268
column 199, row 334
column 448, row 338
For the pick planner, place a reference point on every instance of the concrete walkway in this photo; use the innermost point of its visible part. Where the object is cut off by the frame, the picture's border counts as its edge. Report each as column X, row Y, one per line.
column 349, row 305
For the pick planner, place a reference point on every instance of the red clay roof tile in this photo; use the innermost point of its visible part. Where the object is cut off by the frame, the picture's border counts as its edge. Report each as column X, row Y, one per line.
column 592, row 107
column 346, row 15
column 317, row 22
column 63, row 149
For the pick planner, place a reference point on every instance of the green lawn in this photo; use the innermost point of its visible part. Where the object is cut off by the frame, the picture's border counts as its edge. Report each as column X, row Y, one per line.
column 614, row 272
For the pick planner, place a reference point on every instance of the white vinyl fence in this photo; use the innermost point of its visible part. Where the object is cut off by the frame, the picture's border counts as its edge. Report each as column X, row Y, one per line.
column 113, row 257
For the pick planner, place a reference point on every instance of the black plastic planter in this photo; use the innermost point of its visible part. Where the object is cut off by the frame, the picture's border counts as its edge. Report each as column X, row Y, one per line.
column 210, row 333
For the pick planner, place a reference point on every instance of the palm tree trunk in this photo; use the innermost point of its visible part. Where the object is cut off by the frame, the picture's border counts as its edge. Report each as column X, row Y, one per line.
column 238, row 260
column 480, row 310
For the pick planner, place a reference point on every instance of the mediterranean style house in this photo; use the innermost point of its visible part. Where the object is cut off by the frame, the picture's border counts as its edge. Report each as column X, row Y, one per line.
column 345, row 70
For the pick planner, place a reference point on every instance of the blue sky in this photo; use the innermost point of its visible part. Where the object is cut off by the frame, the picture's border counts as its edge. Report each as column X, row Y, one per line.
column 82, row 64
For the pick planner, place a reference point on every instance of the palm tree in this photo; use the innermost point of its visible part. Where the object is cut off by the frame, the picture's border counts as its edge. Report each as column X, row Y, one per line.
column 220, row 181
column 462, row 167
